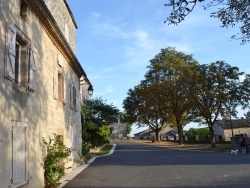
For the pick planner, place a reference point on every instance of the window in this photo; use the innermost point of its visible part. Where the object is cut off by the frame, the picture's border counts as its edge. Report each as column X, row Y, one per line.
column 23, row 10
column 74, row 94
column 21, row 62
column 20, row 59
column 60, row 88
column 17, row 62
column 74, row 97
column 66, row 34
column 19, row 174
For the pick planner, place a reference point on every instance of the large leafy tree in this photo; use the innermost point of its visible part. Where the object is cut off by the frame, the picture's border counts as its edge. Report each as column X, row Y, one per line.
column 173, row 73
column 96, row 115
column 229, row 12
column 238, row 95
column 212, row 92
column 143, row 107
column 103, row 113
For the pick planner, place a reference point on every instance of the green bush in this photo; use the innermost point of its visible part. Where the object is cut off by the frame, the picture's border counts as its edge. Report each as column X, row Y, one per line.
column 191, row 133
column 202, row 133
column 53, row 162
column 104, row 132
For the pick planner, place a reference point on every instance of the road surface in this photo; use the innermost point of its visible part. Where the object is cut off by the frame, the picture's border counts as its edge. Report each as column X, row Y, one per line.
column 140, row 165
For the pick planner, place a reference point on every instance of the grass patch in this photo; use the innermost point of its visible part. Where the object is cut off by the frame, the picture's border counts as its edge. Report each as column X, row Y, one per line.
column 198, row 147
column 105, row 150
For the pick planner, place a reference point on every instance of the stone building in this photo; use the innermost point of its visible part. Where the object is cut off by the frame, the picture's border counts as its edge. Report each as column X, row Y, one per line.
column 40, row 87
column 223, row 128
column 118, row 131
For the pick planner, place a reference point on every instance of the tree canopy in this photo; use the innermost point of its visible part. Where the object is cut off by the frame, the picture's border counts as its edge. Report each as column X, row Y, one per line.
column 230, row 13
column 218, row 82
column 144, row 108
column 177, row 90
column 172, row 72
column 96, row 115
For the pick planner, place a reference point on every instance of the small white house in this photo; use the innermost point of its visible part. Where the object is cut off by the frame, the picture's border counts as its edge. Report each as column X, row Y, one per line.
column 223, row 129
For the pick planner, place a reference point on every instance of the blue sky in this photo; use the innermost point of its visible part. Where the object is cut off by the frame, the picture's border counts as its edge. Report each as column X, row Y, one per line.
column 117, row 38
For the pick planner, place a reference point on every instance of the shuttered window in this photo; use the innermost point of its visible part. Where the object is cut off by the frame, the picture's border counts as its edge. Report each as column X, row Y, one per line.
column 60, row 87
column 66, row 32
column 74, row 95
column 60, row 81
column 32, row 84
column 10, row 55
column 23, row 10
column 20, row 59
column 64, row 87
column 19, row 155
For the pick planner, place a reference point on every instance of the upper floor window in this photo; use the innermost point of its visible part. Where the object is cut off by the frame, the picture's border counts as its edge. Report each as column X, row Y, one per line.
column 20, row 59
column 21, row 62
column 60, row 87
column 23, row 9
column 59, row 82
column 66, row 32
column 74, row 97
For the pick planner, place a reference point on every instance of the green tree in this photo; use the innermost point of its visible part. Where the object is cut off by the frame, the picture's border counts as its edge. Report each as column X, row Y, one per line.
column 172, row 73
column 128, row 128
column 103, row 113
column 245, row 89
column 211, row 92
column 104, row 132
column 145, row 108
column 191, row 133
column 247, row 115
column 96, row 114
column 230, row 13
column 202, row 133
column 238, row 95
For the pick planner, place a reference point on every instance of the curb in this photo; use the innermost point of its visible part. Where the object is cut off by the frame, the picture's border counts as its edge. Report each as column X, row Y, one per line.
column 65, row 179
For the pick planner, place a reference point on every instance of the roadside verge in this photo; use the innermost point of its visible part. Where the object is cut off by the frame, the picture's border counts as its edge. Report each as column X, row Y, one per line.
column 65, row 179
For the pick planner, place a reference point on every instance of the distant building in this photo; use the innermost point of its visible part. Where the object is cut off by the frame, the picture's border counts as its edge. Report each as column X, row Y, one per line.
column 149, row 134
column 118, row 131
column 170, row 135
column 223, row 129
column 143, row 135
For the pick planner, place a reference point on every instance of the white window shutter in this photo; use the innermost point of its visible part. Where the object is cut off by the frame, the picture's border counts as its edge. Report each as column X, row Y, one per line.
column 11, row 52
column 19, row 159
column 32, row 69
column 55, row 83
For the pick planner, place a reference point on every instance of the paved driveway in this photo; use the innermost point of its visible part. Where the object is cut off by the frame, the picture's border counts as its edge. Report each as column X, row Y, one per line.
column 140, row 165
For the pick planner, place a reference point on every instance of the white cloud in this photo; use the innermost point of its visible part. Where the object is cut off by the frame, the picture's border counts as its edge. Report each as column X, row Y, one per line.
column 109, row 89
column 95, row 14
column 110, row 30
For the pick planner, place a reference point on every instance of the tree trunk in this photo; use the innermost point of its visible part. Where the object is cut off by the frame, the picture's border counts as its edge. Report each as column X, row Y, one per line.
column 157, row 136
column 180, row 134
column 213, row 144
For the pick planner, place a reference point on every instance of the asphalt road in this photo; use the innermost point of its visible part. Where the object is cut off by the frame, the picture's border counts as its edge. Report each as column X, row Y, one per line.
column 140, row 165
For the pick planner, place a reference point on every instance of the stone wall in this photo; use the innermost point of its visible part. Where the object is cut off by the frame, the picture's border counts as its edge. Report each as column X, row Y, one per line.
column 38, row 111
column 60, row 13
